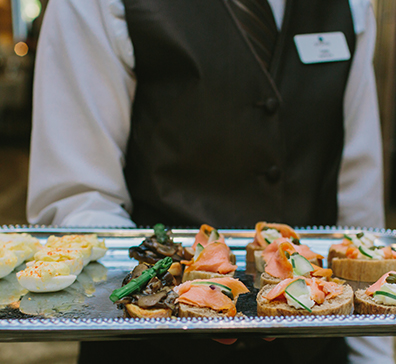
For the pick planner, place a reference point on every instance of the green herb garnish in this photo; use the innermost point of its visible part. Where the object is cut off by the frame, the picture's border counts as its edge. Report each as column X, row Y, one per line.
column 135, row 285
column 160, row 233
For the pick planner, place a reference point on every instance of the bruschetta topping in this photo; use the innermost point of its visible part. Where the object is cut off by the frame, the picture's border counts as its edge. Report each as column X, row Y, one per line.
column 280, row 257
column 319, row 290
column 266, row 233
column 210, row 295
column 215, row 257
column 206, row 235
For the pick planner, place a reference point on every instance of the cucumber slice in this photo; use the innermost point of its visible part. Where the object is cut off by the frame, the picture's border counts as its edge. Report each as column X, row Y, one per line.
column 214, row 236
column 224, row 289
column 301, row 265
column 384, row 293
column 198, row 251
column 296, row 289
column 366, row 251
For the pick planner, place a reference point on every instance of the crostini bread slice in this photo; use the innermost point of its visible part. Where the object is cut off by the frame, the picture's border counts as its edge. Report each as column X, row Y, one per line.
column 362, row 270
column 200, row 274
column 339, row 305
column 335, row 253
column 134, row 311
column 366, row 305
column 194, row 311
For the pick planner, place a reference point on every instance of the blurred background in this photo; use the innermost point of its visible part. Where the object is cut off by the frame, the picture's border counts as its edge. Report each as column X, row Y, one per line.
column 20, row 22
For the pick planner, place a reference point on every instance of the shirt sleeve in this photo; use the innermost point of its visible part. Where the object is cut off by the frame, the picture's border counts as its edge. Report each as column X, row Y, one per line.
column 360, row 197
column 83, row 94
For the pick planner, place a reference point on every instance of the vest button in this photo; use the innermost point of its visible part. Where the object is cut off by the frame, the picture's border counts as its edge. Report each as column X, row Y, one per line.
column 271, row 104
column 273, row 174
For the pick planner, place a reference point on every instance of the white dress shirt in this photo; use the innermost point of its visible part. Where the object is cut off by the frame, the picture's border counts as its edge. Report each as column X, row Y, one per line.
column 83, row 92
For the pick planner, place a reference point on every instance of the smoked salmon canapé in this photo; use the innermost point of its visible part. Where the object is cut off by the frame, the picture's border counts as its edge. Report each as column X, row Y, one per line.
column 282, row 259
column 306, row 297
column 215, row 297
column 379, row 298
column 265, row 234
column 356, row 258
column 211, row 261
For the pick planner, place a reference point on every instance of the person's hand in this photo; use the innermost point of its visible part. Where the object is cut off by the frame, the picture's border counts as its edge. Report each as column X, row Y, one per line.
column 231, row 341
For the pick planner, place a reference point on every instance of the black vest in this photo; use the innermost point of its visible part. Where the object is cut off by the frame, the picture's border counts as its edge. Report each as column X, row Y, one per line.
column 216, row 138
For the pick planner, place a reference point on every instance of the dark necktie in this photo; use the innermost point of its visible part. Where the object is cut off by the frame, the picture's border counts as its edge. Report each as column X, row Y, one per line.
column 257, row 21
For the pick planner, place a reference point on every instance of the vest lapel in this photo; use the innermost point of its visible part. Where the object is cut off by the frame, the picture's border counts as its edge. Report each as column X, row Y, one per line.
column 243, row 35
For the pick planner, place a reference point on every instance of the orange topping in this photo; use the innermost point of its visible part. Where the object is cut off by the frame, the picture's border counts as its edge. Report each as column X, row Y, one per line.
column 277, row 263
column 320, row 290
column 211, row 296
column 285, row 230
column 352, row 252
column 203, row 236
column 214, row 258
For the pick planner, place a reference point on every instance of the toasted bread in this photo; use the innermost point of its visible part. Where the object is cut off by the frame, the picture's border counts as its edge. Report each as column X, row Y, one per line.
column 339, row 305
column 363, row 270
column 134, row 311
column 200, row 274
column 335, row 253
column 194, row 311
column 365, row 305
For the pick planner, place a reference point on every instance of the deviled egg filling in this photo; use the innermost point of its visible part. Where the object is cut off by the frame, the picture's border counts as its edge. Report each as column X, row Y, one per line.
column 72, row 257
column 8, row 261
column 26, row 239
column 76, row 242
column 46, row 277
column 20, row 249
column 99, row 248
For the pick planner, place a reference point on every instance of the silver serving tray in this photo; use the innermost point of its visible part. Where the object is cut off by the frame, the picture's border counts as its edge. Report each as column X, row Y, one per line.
column 84, row 312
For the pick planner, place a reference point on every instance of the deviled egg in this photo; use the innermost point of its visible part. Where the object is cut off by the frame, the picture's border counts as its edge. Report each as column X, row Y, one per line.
column 99, row 248
column 46, row 277
column 8, row 261
column 19, row 248
column 72, row 242
column 26, row 239
column 72, row 257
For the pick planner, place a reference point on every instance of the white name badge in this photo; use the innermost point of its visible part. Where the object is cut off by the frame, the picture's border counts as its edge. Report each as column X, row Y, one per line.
column 322, row 47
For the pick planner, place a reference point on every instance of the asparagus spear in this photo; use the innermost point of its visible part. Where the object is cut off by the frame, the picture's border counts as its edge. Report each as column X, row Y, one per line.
column 160, row 233
column 138, row 283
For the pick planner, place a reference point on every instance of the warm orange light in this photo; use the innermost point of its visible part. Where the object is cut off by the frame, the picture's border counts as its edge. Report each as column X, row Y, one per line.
column 21, row 49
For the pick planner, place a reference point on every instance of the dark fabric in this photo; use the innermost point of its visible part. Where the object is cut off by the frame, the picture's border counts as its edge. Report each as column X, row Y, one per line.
column 218, row 139
column 257, row 21
column 198, row 351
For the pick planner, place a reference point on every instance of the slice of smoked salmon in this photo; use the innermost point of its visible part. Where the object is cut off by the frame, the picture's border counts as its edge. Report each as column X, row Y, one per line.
column 211, row 296
column 203, row 235
column 317, row 294
column 285, row 230
column 331, row 289
column 320, row 290
column 214, row 258
column 277, row 264
column 306, row 252
column 279, row 289
column 377, row 285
